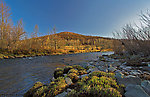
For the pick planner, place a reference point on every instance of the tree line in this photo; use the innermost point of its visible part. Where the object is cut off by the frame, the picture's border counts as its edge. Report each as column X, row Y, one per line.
column 14, row 39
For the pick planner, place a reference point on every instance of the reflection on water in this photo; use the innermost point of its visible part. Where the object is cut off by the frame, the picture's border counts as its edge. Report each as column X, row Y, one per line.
column 18, row 75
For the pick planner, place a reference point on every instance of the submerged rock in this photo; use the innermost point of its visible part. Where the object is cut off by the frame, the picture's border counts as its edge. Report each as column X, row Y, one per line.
column 135, row 91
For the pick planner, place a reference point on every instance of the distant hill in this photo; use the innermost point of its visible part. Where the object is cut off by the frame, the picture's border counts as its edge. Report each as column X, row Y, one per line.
column 74, row 36
column 64, row 39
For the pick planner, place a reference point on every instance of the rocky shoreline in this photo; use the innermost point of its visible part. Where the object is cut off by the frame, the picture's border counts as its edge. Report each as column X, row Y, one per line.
column 131, row 72
column 107, row 76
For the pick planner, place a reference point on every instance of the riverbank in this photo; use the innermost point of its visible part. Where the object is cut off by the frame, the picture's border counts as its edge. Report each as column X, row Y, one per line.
column 109, row 76
column 24, row 72
column 8, row 55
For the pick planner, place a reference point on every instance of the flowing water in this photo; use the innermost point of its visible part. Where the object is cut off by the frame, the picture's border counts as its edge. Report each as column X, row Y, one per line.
column 18, row 75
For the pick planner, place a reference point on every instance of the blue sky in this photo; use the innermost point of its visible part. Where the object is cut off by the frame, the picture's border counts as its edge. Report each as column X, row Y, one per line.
column 87, row 17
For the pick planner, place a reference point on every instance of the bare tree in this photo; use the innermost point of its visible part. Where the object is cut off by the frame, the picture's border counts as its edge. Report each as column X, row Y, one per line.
column 18, row 34
column 34, row 38
column 134, row 38
column 4, row 23
column 54, row 38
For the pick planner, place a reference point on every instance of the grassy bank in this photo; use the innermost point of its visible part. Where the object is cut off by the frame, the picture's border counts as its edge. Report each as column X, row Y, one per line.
column 5, row 54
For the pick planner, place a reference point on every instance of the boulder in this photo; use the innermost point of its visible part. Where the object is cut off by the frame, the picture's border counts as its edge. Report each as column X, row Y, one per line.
column 134, row 72
column 117, row 71
column 135, row 91
column 91, row 63
column 128, row 68
column 119, row 75
column 111, row 69
column 126, row 73
column 128, row 80
column 53, row 79
column 122, row 67
column 30, row 58
column 145, row 76
column 135, row 63
column 92, row 69
column 69, row 90
column 103, row 68
column 68, row 81
column 32, row 90
column 146, row 86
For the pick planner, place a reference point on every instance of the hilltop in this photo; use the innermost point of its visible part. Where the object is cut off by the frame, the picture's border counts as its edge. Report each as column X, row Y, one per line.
column 74, row 36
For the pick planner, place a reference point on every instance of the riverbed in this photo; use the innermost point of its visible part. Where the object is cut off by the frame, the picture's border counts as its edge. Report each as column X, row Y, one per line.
column 18, row 75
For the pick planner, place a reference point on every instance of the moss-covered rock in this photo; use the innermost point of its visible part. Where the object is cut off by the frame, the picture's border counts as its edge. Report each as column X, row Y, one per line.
column 78, row 67
column 41, row 91
column 5, row 57
column 81, row 72
column 58, row 72
column 56, row 87
column 67, row 68
column 96, row 91
column 73, row 77
column 103, row 81
column 101, row 73
column 30, row 92
column 96, row 84
column 73, row 71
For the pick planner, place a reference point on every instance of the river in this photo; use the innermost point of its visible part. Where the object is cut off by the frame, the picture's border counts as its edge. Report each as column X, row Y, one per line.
column 18, row 75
